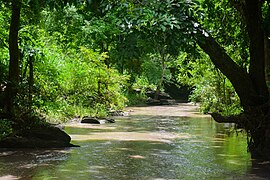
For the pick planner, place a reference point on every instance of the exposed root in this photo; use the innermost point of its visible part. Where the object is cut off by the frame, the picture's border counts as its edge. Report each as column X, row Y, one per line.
column 256, row 122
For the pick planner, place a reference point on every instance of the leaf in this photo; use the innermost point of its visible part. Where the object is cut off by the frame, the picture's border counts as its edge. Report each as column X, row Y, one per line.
column 163, row 28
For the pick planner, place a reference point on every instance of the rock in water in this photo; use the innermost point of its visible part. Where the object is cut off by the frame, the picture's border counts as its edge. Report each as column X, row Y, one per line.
column 94, row 120
column 38, row 137
column 90, row 120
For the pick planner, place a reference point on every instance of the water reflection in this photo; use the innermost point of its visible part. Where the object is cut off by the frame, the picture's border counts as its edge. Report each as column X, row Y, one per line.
column 140, row 147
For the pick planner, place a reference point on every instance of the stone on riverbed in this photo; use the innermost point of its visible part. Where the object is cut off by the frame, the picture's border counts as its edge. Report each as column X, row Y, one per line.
column 38, row 137
column 94, row 120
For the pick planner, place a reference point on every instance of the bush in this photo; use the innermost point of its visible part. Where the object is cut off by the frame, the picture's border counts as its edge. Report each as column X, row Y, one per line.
column 77, row 83
column 211, row 88
column 5, row 128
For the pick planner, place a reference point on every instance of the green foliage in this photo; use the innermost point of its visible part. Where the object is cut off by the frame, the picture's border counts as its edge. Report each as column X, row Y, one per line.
column 4, row 17
column 227, row 27
column 143, row 84
column 211, row 89
column 71, row 79
column 64, row 25
column 152, row 33
column 152, row 69
column 5, row 128
column 104, row 82
column 159, row 26
column 136, row 98
column 266, row 17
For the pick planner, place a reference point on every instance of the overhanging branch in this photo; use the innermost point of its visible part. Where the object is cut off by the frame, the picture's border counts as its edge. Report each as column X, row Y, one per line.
column 237, row 75
column 237, row 119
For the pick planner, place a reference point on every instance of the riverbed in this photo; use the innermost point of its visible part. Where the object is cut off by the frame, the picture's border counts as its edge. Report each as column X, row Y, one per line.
column 152, row 143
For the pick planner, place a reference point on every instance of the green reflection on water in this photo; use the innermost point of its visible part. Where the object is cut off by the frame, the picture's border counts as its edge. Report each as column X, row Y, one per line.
column 208, row 151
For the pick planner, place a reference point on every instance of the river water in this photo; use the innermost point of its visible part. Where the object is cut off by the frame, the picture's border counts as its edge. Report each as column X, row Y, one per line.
column 153, row 143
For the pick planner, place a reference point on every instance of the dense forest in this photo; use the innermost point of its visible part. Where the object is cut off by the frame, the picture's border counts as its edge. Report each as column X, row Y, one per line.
column 62, row 59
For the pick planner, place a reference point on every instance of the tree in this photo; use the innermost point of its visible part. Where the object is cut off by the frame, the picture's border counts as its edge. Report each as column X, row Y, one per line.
column 150, row 28
column 202, row 22
column 14, row 54
column 31, row 7
column 250, row 84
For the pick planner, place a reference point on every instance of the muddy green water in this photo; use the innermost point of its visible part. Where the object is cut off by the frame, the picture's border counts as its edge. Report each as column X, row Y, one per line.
column 152, row 147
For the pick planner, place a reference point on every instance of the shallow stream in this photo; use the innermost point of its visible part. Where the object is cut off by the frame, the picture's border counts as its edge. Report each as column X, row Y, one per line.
column 153, row 143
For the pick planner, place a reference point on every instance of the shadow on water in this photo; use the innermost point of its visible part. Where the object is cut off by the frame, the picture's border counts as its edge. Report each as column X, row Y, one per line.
column 24, row 163
column 141, row 147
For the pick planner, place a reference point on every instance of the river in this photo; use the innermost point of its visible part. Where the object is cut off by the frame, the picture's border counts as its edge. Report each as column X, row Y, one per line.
column 152, row 143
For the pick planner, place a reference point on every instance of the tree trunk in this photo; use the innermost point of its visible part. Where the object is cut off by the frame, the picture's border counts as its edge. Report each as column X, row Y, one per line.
column 267, row 61
column 160, row 83
column 250, row 86
column 237, row 75
column 31, row 81
column 14, row 57
column 256, row 116
column 253, row 16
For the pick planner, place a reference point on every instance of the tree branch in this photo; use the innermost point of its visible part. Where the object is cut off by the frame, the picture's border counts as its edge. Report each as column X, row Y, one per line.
column 236, row 74
column 237, row 119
